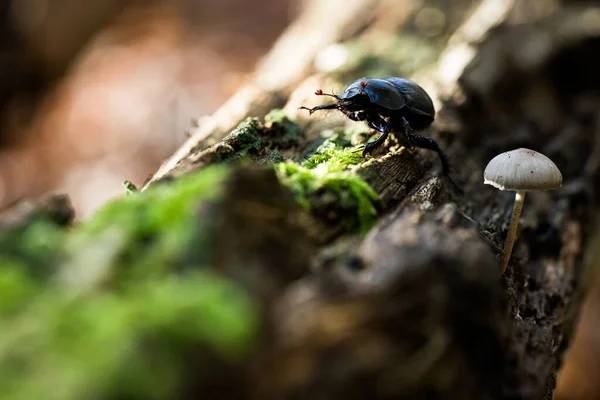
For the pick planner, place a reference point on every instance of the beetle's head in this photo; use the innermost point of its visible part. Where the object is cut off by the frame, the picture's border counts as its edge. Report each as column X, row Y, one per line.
column 368, row 93
column 357, row 97
column 357, row 102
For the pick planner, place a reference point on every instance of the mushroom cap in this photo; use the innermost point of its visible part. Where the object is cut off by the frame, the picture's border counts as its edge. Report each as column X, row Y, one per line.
column 522, row 169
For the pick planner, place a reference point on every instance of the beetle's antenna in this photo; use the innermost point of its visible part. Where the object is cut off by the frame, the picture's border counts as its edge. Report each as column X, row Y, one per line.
column 319, row 92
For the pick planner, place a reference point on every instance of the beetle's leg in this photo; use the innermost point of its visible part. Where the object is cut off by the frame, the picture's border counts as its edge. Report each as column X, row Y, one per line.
column 425, row 143
column 384, row 129
column 317, row 108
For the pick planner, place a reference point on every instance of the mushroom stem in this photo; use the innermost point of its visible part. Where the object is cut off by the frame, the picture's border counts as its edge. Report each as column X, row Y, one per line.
column 512, row 228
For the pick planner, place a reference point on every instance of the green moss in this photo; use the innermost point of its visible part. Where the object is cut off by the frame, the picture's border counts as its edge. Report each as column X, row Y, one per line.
column 17, row 286
column 147, row 233
column 276, row 116
column 160, row 207
column 329, row 171
column 132, row 345
column 281, row 131
column 36, row 247
column 245, row 138
column 335, row 157
column 270, row 158
column 241, row 145
column 122, row 306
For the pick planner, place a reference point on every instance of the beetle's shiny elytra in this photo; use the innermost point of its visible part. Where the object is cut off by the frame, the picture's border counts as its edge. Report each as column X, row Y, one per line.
column 388, row 104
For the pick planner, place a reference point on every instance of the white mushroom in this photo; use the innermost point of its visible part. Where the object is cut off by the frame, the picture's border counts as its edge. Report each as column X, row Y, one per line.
column 520, row 170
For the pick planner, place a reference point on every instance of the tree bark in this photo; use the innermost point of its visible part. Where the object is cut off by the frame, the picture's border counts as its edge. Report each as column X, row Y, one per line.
column 419, row 308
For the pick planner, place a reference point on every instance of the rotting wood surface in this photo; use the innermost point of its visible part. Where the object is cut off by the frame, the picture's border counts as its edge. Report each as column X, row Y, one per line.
column 417, row 309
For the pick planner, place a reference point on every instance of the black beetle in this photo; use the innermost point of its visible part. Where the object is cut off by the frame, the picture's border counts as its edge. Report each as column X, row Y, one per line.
column 388, row 104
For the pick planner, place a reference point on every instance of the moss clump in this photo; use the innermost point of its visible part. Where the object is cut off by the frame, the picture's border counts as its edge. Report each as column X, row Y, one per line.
column 342, row 138
column 128, row 345
column 126, row 300
column 147, row 233
column 278, row 116
column 272, row 157
column 243, row 143
column 336, row 158
column 35, row 248
column 325, row 180
column 245, row 138
column 280, row 131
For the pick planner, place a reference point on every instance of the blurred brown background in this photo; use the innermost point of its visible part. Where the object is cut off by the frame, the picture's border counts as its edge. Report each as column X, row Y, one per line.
column 117, row 85
column 93, row 93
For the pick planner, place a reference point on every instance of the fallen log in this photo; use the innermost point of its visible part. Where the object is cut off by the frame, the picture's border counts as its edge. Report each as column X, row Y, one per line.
column 338, row 276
